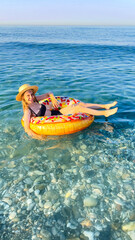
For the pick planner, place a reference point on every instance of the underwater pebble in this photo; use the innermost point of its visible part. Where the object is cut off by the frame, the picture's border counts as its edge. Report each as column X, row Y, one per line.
column 86, row 223
column 36, row 172
column 68, row 194
column 30, row 207
column 97, row 191
column 125, row 176
column 16, row 220
column 51, row 195
column 31, row 190
column 119, row 202
column 75, row 171
column 98, row 227
column 29, row 201
column 45, row 235
column 54, row 180
column 90, row 202
column 37, row 192
column 73, row 159
column 128, row 226
column 47, row 205
column 7, row 200
column 128, row 187
column 30, row 204
column 122, row 196
column 34, row 237
column 12, row 215
column 71, row 226
column 131, row 235
column 89, row 234
column 83, row 147
column 28, row 181
column 38, row 179
column 92, row 215
column 132, row 215
column 78, row 151
column 54, row 231
column 40, row 186
column 81, row 158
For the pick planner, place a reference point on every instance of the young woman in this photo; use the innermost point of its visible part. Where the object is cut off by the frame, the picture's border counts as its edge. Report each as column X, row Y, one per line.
column 32, row 107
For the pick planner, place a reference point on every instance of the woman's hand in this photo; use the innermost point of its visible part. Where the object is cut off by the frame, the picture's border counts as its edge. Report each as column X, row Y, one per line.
column 35, row 135
column 55, row 103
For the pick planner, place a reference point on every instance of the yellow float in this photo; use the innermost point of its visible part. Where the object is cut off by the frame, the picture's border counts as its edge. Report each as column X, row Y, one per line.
column 60, row 124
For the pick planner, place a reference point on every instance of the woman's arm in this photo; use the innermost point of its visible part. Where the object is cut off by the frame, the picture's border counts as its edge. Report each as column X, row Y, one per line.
column 55, row 103
column 27, row 117
column 43, row 96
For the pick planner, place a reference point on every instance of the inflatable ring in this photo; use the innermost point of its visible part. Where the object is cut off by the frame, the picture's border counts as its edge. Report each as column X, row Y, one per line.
column 60, row 124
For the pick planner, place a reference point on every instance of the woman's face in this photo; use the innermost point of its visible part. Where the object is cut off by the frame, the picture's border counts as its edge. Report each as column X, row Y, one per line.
column 29, row 96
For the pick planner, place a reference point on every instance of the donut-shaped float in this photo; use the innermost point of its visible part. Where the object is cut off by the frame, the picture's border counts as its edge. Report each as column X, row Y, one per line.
column 60, row 124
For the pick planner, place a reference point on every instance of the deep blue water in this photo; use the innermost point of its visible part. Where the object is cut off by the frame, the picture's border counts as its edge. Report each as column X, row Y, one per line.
column 93, row 64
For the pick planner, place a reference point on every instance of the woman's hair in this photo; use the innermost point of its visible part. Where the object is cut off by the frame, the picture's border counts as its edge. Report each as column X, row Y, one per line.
column 24, row 104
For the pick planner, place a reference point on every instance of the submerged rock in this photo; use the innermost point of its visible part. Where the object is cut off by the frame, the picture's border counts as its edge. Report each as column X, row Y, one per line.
column 47, row 205
column 51, row 195
column 132, row 235
column 119, row 202
column 36, row 172
column 7, row 200
column 45, row 235
column 132, row 216
column 89, row 234
column 129, row 226
column 81, row 158
column 90, row 202
column 12, row 215
column 86, row 223
column 83, row 147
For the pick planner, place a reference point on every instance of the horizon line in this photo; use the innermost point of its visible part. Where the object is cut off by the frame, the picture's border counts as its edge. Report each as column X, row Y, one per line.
column 88, row 25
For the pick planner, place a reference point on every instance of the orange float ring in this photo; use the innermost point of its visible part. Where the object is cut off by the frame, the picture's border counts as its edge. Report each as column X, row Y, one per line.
column 60, row 124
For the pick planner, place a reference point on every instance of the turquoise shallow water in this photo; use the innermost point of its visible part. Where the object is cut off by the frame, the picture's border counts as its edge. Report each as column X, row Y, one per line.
column 44, row 185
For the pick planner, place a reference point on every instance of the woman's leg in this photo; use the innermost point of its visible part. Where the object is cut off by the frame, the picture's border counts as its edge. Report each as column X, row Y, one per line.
column 76, row 108
column 99, row 106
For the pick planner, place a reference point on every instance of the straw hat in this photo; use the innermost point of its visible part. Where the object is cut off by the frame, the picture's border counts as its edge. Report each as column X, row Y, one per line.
column 23, row 89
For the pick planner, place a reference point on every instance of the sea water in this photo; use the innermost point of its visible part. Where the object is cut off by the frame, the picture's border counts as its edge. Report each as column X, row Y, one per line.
column 79, row 186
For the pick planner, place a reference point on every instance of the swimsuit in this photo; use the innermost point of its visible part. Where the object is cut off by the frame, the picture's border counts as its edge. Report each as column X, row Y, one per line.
column 42, row 111
column 55, row 112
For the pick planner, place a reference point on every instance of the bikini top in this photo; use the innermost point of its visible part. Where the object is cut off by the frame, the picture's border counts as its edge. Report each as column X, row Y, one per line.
column 41, row 111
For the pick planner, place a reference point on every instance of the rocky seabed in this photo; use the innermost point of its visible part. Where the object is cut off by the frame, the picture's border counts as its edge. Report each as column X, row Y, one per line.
column 75, row 190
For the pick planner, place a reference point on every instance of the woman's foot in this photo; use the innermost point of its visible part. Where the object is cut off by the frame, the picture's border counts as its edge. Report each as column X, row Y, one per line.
column 110, row 112
column 108, row 106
